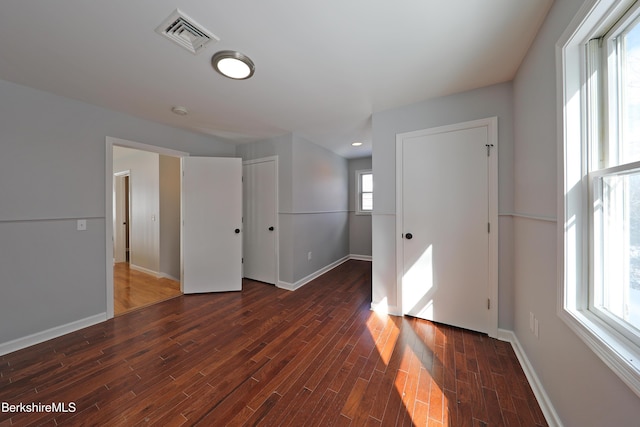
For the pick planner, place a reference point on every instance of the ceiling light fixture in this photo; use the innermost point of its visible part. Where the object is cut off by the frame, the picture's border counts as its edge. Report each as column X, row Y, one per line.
column 232, row 64
column 356, row 144
column 179, row 110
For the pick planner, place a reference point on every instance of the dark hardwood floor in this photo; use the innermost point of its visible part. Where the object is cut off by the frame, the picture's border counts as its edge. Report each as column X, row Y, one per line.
column 133, row 289
column 266, row 356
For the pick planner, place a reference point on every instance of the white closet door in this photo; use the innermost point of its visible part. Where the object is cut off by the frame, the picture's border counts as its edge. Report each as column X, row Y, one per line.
column 260, row 221
column 444, row 195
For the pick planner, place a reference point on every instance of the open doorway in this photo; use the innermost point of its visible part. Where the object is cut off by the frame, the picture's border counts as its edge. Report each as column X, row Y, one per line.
column 146, row 228
column 121, row 217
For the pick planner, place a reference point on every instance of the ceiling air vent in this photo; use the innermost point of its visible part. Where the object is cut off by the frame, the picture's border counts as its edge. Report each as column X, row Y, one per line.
column 181, row 29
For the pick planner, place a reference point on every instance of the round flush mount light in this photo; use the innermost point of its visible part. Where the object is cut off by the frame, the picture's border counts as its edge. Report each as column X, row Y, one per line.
column 356, row 144
column 179, row 110
column 233, row 65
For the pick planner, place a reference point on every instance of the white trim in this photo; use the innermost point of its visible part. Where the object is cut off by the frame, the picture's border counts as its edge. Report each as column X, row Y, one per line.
column 529, row 216
column 145, row 270
column 109, row 144
column 312, row 212
column 300, row 283
column 491, row 123
column 361, row 257
column 38, row 337
column 383, row 308
column 146, row 147
column 260, row 160
column 168, row 276
column 549, row 412
column 48, row 219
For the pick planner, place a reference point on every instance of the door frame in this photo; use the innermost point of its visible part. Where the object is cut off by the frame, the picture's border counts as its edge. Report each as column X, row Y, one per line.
column 110, row 142
column 276, row 213
column 491, row 124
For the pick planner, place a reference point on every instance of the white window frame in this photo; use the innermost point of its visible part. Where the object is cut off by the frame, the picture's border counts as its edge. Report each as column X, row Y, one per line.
column 359, row 174
column 615, row 349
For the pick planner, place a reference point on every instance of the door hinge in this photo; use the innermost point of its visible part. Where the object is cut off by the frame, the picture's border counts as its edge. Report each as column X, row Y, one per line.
column 488, row 149
column 488, row 304
column 488, row 227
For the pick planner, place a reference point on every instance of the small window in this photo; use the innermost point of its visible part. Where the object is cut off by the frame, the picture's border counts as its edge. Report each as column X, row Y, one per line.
column 364, row 204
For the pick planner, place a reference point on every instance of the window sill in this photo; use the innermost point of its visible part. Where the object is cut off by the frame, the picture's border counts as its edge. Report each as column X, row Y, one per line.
column 613, row 349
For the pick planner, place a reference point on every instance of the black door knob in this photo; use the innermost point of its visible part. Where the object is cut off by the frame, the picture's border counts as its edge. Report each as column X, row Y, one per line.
column 271, row 228
column 237, row 230
column 408, row 236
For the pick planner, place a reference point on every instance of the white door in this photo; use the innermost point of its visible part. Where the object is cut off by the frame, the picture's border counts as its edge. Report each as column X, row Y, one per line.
column 445, row 198
column 212, row 222
column 260, row 220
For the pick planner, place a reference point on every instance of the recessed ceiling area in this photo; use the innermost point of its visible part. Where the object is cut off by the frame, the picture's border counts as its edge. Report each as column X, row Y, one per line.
column 324, row 67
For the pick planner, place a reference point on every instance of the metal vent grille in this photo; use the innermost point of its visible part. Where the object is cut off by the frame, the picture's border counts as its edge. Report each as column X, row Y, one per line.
column 185, row 32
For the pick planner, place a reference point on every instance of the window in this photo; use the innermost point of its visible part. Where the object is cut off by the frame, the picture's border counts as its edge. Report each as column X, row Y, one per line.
column 614, row 175
column 364, row 204
column 600, row 287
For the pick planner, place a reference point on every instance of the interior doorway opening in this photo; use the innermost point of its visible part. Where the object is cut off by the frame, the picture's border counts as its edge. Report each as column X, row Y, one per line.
column 144, row 225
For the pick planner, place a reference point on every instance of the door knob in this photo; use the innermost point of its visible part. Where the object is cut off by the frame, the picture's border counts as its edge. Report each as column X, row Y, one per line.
column 271, row 228
column 408, row 236
column 237, row 230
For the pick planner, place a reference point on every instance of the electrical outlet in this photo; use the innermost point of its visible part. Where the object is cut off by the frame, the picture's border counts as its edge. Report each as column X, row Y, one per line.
column 309, row 256
column 81, row 225
column 536, row 329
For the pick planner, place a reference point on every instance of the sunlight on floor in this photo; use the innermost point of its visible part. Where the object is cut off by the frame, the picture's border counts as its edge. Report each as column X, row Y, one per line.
column 419, row 377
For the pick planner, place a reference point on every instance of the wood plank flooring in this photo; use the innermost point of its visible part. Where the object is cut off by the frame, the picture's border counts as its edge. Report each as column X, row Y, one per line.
column 266, row 356
column 133, row 289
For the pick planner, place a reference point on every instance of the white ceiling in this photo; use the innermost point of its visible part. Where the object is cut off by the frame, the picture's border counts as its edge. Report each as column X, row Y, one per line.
column 322, row 67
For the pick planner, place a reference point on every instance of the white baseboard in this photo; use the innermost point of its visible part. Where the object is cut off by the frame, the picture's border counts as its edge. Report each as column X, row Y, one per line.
column 167, row 276
column 146, row 270
column 300, row 283
column 385, row 309
column 37, row 338
column 543, row 399
column 360, row 257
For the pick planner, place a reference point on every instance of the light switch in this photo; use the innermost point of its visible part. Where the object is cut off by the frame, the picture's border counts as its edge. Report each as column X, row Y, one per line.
column 82, row 224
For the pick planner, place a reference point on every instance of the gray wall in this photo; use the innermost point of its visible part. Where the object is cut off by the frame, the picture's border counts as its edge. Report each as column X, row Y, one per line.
column 320, row 211
column 359, row 225
column 584, row 391
column 477, row 104
column 170, row 216
column 52, row 172
column 313, row 210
